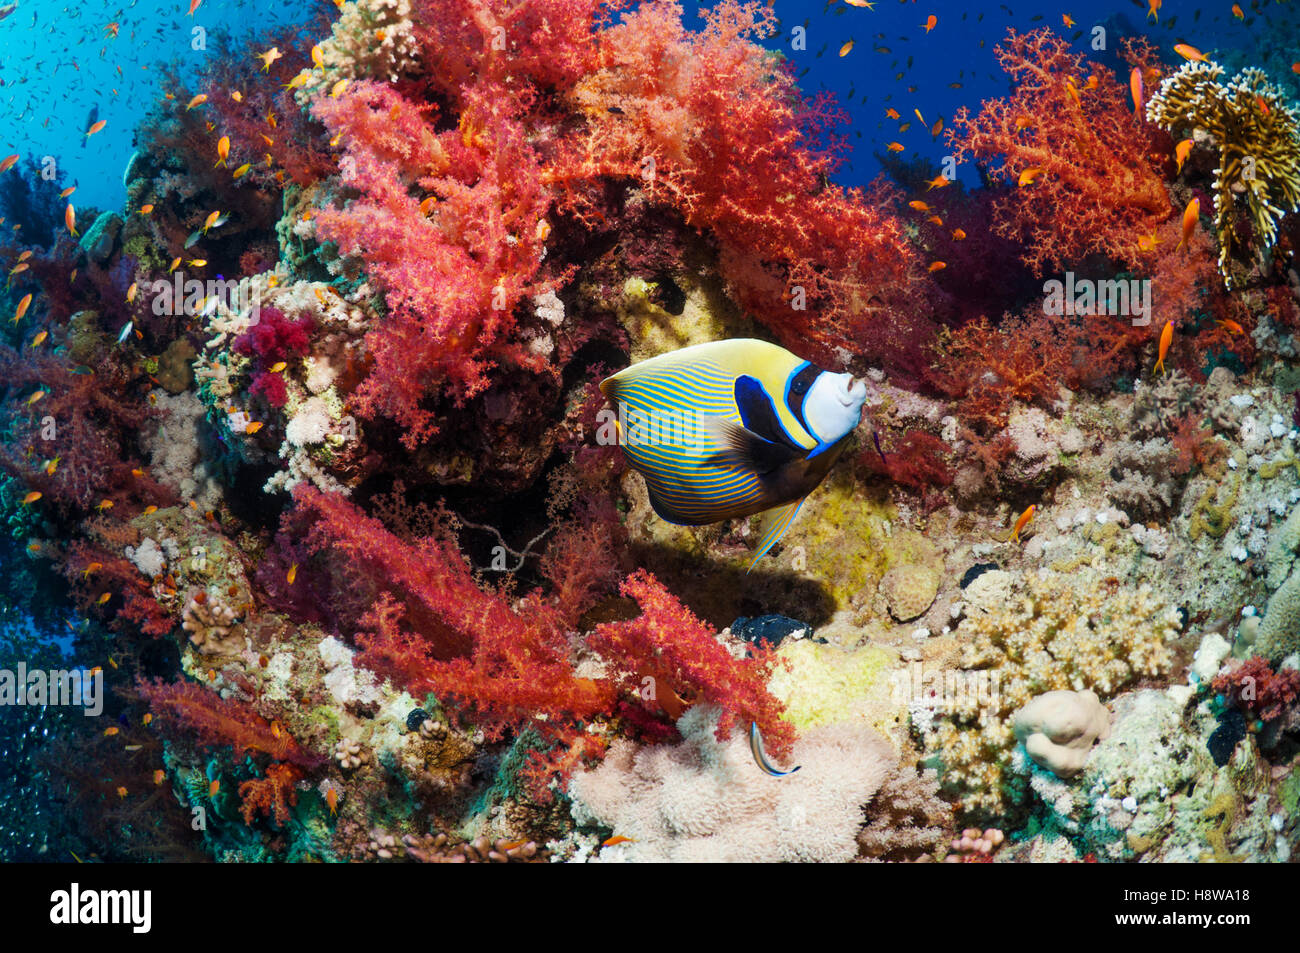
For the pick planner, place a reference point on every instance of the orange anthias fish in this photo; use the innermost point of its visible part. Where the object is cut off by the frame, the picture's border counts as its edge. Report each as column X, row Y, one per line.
column 1154, row 10
column 1231, row 325
column 618, row 839
column 918, row 205
column 846, row 48
column 895, row 147
column 70, row 220
column 1028, row 176
column 892, row 113
column 1237, row 12
column 96, row 128
column 23, row 305
column 1181, row 151
column 198, row 100
column 194, row 5
column 223, row 150
column 938, row 182
column 1135, row 87
column 930, row 22
column 1189, row 52
column 958, row 234
column 1023, row 521
column 7, row 163
column 937, row 266
column 1191, row 215
column 214, row 787
column 332, row 799
column 1166, row 336
column 269, row 57
column 292, row 574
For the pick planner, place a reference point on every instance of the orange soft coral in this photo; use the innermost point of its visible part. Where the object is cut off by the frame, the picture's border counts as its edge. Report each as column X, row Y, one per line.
column 1096, row 189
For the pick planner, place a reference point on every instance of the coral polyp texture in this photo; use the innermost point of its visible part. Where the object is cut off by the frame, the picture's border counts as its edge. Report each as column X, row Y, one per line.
column 347, row 454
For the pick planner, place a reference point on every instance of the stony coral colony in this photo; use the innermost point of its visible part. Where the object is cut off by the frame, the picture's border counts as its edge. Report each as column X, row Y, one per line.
column 367, row 587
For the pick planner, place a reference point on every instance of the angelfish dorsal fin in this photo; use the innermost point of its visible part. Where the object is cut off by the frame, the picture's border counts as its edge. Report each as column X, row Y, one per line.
column 775, row 522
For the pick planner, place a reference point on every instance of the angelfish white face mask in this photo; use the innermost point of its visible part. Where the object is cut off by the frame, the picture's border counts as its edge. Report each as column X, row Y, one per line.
column 833, row 406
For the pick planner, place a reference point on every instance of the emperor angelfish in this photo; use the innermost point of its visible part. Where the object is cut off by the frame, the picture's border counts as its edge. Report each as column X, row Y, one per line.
column 732, row 428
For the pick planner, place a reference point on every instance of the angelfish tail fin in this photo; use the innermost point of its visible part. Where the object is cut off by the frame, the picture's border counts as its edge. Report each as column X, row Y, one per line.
column 775, row 522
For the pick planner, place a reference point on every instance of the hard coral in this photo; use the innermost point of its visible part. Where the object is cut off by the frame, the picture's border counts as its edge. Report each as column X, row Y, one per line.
column 1257, row 134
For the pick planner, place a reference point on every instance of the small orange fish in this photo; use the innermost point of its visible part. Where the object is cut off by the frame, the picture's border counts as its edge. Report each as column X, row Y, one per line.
column 40, row 338
column 148, row 717
column 70, row 220
column 7, row 162
column 223, row 150
column 1136, row 88
column 131, row 292
column 197, row 262
column 918, row 205
column 1023, row 122
column 317, row 57
column 617, row 839
column 90, row 569
column 930, row 22
column 938, row 182
column 846, row 48
column 1189, row 52
column 146, row 209
column 1166, row 336
column 1154, row 9
column 292, row 574
column 958, row 234
column 254, row 427
column 38, row 395
column 104, row 505
column 269, row 57
column 1181, row 151
column 23, row 305
column 278, row 366
column 1191, row 215
column 194, row 5
column 66, row 192
column 97, row 127
column 122, row 791
column 1237, row 12
column 1068, row 21
column 1231, row 325
column 214, row 787
column 175, row 264
column 332, row 799
column 895, row 147
column 103, row 598
column 236, row 95
column 159, row 776
column 242, row 170
column 892, row 113
column 150, row 510
column 1072, row 90
column 1028, row 176
column 110, row 731
column 337, row 89
column 198, row 100
column 937, row 266
column 32, row 497
column 935, row 220
column 1091, row 82
column 1023, row 521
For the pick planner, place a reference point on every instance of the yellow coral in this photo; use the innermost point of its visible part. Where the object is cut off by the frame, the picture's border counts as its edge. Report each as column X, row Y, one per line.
column 826, row 683
column 1258, row 137
column 1058, row 632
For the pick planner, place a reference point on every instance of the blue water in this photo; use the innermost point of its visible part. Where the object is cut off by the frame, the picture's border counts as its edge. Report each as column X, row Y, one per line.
column 61, row 66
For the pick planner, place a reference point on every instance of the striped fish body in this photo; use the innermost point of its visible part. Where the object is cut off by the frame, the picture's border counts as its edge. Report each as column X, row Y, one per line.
column 718, row 430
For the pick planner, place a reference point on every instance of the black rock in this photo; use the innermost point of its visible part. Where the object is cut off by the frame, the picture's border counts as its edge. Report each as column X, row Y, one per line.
column 1232, row 728
column 975, row 572
column 416, row 718
column 769, row 629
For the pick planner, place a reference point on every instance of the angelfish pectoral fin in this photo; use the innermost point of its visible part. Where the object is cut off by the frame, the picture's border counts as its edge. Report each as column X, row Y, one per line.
column 760, row 757
column 775, row 522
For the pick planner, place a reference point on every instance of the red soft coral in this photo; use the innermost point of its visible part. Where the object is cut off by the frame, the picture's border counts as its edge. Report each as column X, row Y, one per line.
column 1097, row 189
column 1254, row 687
column 213, row 720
